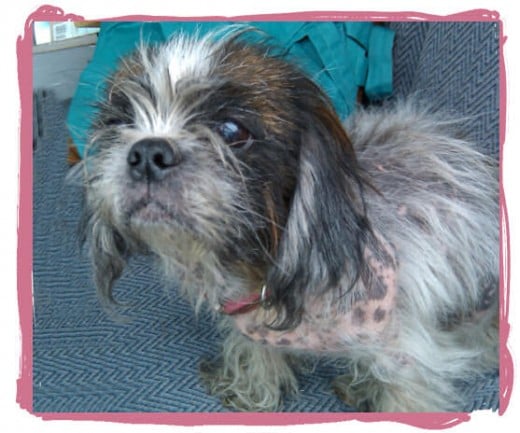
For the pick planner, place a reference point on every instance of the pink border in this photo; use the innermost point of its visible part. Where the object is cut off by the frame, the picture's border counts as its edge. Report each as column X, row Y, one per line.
column 25, row 241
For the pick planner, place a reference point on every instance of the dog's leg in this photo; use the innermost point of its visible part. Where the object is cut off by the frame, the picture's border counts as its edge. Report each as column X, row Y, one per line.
column 249, row 376
column 404, row 390
column 417, row 370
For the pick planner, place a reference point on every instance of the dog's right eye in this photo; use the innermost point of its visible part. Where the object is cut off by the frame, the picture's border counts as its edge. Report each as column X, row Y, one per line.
column 114, row 121
column 234, row 134
column 119, row 110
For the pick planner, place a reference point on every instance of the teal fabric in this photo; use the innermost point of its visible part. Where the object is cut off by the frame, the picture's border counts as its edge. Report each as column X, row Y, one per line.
column 339, row 56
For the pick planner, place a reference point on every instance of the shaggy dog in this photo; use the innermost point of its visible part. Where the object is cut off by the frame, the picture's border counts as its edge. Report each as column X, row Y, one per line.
column 374, row 244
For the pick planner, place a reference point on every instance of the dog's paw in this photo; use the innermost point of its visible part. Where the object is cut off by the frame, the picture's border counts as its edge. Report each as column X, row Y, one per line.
column 406, row 393
column 239, row 392
column 354, row 396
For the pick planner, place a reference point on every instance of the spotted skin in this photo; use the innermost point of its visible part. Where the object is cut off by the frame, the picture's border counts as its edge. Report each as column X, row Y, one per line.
column 366, row 318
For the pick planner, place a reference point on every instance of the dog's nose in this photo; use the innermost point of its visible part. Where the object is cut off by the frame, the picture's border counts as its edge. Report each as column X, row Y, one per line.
column 152, row 159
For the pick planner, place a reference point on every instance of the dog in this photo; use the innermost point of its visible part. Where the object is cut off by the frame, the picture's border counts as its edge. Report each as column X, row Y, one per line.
column 373, row 243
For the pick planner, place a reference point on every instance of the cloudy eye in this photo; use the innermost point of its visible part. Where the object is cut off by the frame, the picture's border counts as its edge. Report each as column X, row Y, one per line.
column 234, row 134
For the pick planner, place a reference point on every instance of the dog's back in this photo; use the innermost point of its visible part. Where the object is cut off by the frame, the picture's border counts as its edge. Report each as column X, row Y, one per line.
column 436, row 199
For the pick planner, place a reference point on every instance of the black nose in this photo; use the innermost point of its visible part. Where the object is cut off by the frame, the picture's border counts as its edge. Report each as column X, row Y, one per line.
column 152, row 159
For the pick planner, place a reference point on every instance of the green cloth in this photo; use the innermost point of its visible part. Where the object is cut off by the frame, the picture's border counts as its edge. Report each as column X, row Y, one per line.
column 339, row 56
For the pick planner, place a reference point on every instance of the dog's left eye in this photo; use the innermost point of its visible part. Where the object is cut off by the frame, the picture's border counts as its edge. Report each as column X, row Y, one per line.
column 235, row 134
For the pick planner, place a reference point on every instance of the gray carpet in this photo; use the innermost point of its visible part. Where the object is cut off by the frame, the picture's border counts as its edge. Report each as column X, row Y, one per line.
column 85, row 361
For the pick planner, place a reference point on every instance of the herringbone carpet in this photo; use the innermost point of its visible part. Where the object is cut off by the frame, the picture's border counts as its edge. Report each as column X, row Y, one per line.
column 85, row 361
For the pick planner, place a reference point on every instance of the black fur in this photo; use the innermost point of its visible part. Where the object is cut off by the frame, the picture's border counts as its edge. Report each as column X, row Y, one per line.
column 337, row 225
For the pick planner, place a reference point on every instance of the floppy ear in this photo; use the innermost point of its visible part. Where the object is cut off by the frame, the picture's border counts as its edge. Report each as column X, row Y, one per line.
column 327, row 229
column 108, row 253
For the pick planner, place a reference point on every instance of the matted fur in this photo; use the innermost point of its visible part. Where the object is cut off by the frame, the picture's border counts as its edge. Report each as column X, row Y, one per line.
column 378, row 249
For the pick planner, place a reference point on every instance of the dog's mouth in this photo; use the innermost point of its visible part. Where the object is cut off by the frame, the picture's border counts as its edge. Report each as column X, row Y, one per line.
column 149, row 210
column 175, row 205
column 156, row 209
column 146, row 204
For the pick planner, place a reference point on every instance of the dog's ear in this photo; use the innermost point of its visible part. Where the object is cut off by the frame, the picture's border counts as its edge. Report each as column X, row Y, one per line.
column 108, row 253
column 326, row 229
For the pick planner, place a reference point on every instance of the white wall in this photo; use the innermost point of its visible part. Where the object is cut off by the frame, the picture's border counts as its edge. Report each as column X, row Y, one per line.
column 59, row 70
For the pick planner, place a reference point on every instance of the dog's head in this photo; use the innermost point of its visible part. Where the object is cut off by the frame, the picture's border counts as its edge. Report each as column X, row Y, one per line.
column 222, row 155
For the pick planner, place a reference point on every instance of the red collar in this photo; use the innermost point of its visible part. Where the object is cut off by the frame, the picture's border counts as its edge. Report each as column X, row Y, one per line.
column 246, row 304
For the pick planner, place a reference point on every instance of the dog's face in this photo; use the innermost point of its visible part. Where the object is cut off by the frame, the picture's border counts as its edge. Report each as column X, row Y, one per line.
column 223, row 155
